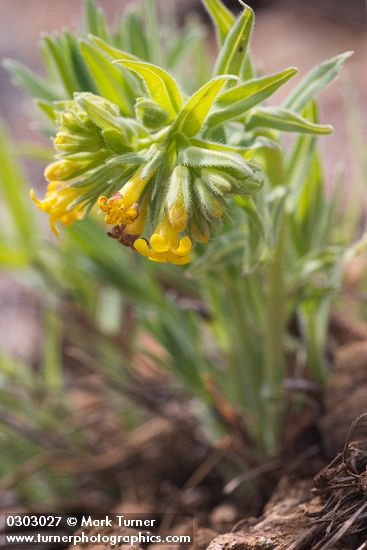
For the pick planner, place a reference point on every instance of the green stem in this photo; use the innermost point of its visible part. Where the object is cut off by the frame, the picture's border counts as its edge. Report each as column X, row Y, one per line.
column 244, row 358
column 274, row 362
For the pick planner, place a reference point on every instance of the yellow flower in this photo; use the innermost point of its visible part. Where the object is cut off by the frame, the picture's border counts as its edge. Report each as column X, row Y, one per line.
column 128, row 234
column 123, row 206
column 178, row 214
column 62, row 169
column 117, row 210
column 165, row 245
column 57, row 200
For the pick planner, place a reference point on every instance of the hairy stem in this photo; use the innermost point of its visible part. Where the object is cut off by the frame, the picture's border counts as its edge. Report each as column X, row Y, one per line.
column 274, row 361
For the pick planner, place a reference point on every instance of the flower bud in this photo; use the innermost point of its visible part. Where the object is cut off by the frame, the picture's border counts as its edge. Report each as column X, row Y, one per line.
column 216, row 180
column 150, row 114
column 63, row 169
column 178, row 215
column 74, row 143
column 200, row 234
column 105, row 115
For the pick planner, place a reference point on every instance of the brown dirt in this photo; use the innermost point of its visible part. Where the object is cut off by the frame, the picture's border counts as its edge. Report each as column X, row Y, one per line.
column 328, row 514
column 336, row 516
column 328, row 511
column 345, row 396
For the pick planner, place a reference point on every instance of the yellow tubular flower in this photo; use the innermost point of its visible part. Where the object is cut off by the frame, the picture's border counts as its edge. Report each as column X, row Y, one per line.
column 128, row 234
column 123, row 206
column 178, row 214
column 56, row 202
column 137, row 227
column 165, row 245
column 62, row 169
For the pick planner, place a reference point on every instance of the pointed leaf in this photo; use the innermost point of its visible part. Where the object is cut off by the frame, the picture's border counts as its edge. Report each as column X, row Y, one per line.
column 55, row 47
column 154, row 43
column 81, row 73
column 225, row 250
column 285, row 121
column 246, row 152
column 109, row 79
column 132, row 82
column 26, row 78
column 91, row 17
column 136, row 39
column 186, row 42
column 222, row 18
column 115, row 53
column 161, row 86
column 314, row 81
column 235, row 102
column 202, row 158
column 14, row 191
column 233, row 53
column 196, row 109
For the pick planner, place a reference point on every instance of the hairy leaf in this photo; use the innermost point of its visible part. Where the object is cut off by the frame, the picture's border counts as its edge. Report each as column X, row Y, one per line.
column 114, row 53
column 109, row 79
column 161, row 86
column 197, row 157
column 233, row 53
column 196, row 109
column 314, row 81
column 55, row 46
column 245, row 152
column 285, row 121
column 222, row 18
column 235, row 102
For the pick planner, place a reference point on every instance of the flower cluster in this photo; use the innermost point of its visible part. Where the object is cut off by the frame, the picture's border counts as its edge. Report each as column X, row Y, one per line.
column 162, row 167
column 143, row 176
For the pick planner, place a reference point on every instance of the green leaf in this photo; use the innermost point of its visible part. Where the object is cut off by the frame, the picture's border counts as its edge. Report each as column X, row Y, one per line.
column 245, row 152
column 13, row 257
column 314, row 81
column 132, row 82
column 285, row 121
column 90, row 17
column 14, row 192
column 81, row 74
column 154, row 44
column 52, row 351
column 55, row 47
column 223, row 251
column 161, row 86
column 196, row 109
column 114, row 53
column 136, row 39
column 28, row 80
column 109, row 79
column 232, row 56
column 95, row 21
column 255, row 235
column 222, row 18
column 235, row 102
column 197, row 157
column 187, row 41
